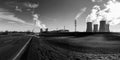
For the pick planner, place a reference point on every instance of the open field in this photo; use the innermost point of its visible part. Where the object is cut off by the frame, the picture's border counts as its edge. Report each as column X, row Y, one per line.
column 89, row 47
column 62, row 47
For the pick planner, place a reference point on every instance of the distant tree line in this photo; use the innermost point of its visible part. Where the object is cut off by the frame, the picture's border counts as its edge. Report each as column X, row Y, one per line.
column 15, row 32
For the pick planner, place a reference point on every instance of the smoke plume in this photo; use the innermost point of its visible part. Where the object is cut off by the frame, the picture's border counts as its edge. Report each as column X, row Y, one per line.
column 36, row 19
column 38, row 22
column 35, row 16
column 80, row 13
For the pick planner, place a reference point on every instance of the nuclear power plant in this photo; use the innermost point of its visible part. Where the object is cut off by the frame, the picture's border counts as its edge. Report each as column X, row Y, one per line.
column 103, row 27
column 107, row 28
column 89, row 27
column 95, row 28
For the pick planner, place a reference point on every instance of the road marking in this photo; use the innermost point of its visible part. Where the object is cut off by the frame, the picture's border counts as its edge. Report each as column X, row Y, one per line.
column 37, row 36
column 15, row 58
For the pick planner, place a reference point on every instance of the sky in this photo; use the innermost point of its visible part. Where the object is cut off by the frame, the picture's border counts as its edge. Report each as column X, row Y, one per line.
column 55, row 14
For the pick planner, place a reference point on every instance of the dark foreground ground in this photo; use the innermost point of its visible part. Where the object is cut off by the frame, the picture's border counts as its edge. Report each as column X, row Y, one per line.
column 95, row 46
column 10, row 45
column 80, row 46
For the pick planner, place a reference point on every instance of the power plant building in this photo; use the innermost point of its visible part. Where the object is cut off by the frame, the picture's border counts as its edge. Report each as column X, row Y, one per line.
column 107, row 28
column 95, row 29
column 89, row 27
column 102, row 28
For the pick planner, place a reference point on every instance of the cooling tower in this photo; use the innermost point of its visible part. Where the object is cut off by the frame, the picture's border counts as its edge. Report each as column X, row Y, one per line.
column 95, row 28
column 46, row 30
column 107, row 28
column 41, row 30
column 102, row 26
column 89, row 27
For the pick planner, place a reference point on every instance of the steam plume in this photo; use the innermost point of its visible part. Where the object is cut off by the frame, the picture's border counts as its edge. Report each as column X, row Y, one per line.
column 44, row 26
column 35, row 16
column 92, row 17
column 110, row 13
column 38, row 22
column 18, row 9
column 36, row 19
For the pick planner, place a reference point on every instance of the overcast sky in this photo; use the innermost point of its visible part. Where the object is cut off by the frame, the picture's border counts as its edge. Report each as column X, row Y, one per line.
column 55, row 14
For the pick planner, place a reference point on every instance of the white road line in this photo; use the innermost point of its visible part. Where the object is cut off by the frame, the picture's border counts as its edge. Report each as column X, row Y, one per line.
column 37, row 36
column 15, row 58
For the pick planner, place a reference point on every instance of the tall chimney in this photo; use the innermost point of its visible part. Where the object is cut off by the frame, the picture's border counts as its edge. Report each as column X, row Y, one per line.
column 95, row 28
column 102, row 26
column 46, row 30
column 107, row 28
column 75, row 25
column 64, row 28
column 89, row 27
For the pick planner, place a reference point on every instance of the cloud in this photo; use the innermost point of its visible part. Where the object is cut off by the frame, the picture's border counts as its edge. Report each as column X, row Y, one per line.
column 11, row 22
column 6, row 15
column 10, row 16
column 93, row 0
column 96, row 0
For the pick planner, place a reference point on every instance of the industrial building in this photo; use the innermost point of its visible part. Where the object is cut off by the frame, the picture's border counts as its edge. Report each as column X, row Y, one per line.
column 89, row 27
column 103, row 27
column 95, row 29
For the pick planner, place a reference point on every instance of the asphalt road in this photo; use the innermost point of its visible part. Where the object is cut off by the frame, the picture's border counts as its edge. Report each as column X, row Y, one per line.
column 11, row 45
